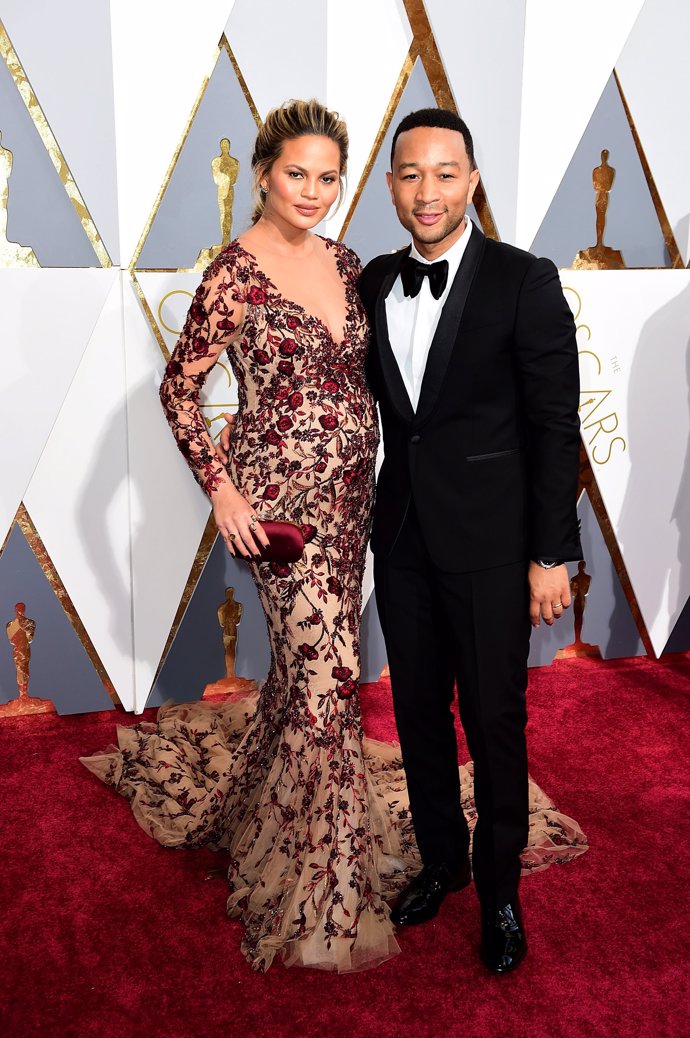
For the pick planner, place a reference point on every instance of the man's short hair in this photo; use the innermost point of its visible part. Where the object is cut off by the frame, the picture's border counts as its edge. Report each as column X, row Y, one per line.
column 444, row 119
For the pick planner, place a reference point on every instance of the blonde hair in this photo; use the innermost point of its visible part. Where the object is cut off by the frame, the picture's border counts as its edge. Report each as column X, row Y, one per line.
column 287, row 122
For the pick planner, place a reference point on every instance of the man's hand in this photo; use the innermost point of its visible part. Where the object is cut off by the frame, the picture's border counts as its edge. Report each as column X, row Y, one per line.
column 549, row 593
column 223, row 445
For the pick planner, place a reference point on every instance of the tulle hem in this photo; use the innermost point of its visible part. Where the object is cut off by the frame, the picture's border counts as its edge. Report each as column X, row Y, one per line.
column 185, row 777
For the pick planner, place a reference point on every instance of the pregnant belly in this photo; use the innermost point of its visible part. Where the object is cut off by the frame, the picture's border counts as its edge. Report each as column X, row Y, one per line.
column 304, row 463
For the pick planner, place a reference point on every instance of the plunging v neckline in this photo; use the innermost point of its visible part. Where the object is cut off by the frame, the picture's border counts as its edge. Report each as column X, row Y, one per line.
column 298, row 306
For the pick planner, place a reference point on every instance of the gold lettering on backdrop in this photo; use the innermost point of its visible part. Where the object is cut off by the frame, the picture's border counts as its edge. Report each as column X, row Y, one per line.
column 225, row 168
column 229, row 615
column 11, row 254
column 590, row 401
column 599, row 425
column 168, row 295
column 600, row 256
column 213, row 413
column 20, row 634
column 588, row 353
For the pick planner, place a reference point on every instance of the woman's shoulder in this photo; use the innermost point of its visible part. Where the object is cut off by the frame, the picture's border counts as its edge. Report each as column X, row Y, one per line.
column 345, row 254
column 232, row 266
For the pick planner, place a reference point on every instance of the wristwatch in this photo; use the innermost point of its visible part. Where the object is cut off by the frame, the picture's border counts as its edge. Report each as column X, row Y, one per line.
column 547, row 565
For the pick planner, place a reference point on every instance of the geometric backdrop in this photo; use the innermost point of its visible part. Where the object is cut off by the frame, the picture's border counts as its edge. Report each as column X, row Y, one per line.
column 111, row 115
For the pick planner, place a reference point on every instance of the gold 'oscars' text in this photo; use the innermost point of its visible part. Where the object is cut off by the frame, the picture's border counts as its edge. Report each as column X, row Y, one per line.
column 598, row 406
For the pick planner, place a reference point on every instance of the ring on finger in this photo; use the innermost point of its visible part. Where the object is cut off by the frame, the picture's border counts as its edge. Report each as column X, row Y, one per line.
column 557, row 605
column 253, row 521
column 232, row 536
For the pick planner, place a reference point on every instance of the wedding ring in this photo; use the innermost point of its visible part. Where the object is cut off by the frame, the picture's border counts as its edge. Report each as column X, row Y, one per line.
column 557, row 605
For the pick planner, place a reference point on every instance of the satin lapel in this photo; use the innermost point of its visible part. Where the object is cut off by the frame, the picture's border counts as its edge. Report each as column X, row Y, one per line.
column 447, row 328
column 389, row 365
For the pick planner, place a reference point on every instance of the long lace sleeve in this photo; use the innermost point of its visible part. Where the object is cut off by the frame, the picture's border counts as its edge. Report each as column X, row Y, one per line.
column 214, row 320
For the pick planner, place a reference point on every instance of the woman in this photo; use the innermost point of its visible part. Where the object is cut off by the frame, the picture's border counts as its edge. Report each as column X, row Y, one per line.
column 291, row 801
column 317, row 832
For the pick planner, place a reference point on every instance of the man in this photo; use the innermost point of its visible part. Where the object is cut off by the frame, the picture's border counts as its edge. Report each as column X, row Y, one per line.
column 474, row 363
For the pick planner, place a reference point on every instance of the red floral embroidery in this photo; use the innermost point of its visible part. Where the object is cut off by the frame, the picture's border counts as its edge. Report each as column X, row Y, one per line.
column 300, row 435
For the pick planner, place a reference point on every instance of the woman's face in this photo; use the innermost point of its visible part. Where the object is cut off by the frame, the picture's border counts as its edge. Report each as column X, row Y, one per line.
column 303, row 182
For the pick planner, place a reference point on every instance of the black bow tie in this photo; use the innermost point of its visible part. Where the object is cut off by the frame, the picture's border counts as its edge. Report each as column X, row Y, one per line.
column 412, row 274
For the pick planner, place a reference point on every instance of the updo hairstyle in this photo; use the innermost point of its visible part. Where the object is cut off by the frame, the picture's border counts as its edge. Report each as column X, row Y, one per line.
column 285, row 123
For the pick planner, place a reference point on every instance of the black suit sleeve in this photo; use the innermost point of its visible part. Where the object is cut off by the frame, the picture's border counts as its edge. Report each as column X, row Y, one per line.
column 547, row 361
column 367, row 287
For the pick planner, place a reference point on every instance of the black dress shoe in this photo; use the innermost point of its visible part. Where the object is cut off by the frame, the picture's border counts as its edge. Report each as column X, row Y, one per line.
column 504, row 944
column 422, row 899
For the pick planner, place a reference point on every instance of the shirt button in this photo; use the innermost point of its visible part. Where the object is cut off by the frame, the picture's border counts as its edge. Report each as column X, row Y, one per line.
column 416, row 438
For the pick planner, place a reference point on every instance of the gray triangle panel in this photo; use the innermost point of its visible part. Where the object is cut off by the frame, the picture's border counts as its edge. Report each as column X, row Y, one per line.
column 188, row 218
column 196, row 657
column 632, row 225
column 39, row 213
column 607, row 620
column 374, row 227
column 60, row 669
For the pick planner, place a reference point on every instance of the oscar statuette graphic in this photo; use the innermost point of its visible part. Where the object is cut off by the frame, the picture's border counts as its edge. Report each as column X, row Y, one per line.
column 225, row 169
column 20, row 634
column 579, row 589
column 11, row 254
column 229, row 616
column 600, row 256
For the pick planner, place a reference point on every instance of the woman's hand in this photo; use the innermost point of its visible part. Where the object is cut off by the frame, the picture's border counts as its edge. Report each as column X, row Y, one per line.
column 237, row 522
column 223, row 445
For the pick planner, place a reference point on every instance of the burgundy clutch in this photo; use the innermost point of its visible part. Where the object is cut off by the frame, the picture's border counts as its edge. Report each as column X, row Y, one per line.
column 287, row 541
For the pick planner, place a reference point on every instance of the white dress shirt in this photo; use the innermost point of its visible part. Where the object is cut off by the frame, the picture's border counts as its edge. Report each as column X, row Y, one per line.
column 412, row 321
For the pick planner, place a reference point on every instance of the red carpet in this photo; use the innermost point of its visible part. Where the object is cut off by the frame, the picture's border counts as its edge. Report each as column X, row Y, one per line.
column 107, row 935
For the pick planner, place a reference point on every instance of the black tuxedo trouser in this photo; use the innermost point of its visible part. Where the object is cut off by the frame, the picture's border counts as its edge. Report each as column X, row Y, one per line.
column 471, row 629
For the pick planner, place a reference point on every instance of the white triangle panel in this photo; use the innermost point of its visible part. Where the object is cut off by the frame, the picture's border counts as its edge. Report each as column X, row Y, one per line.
column 366, row 47
column 280, row 49
column 162, row 52
column 655, row 76
column 481, row 48
column 78, row 497
column 635, row 414
column 168, row 509
column 570, row 52
column 47, row 319
column 68, row 61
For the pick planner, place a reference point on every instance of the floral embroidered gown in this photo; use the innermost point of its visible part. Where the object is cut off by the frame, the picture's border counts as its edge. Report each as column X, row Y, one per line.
column 315, row 819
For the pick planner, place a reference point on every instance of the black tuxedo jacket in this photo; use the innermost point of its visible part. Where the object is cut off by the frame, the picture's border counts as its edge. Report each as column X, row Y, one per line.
column 490, row 458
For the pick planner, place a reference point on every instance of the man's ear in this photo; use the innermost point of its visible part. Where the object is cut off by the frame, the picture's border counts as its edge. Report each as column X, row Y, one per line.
column 474, row 180
column 389, row 181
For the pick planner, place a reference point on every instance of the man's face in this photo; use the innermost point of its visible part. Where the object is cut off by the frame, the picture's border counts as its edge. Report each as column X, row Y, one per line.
column 431, row 186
